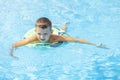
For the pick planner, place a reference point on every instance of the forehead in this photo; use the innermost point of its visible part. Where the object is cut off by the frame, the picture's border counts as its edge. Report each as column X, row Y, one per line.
column 38, row 29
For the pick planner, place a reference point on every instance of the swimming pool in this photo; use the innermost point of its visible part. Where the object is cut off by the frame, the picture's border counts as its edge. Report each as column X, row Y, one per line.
column 95, row 20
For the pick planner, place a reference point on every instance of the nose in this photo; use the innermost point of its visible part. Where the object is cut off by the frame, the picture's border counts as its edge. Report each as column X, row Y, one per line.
column 42, row 37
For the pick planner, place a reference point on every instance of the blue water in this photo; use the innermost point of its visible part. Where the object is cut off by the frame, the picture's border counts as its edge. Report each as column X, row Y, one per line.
column 93, row 20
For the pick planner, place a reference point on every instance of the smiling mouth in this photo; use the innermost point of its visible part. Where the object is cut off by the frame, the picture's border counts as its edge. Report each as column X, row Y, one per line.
column 42, row 39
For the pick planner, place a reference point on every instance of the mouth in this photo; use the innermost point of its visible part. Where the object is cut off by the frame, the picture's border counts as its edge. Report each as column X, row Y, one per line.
column 42, row 39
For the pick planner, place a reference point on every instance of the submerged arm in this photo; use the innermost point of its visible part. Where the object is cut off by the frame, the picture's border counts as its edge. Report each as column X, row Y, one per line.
column 21, row 43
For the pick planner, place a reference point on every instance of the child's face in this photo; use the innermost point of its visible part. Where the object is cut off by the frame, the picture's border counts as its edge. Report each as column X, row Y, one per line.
column 43, row 35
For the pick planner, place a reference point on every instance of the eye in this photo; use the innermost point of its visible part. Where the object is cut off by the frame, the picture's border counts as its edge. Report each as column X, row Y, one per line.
column 38, row 33
column 45, row 33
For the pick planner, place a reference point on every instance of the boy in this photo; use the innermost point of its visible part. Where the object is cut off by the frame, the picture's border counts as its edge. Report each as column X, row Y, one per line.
column 44, row 34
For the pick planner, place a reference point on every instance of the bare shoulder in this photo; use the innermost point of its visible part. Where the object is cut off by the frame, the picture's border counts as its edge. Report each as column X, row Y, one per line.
column 57, row 38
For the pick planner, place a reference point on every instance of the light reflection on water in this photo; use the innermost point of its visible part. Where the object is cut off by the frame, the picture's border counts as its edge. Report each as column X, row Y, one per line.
column 96, row 21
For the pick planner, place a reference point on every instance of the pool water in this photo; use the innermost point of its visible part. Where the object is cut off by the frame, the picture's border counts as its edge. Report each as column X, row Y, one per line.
column 97, row 21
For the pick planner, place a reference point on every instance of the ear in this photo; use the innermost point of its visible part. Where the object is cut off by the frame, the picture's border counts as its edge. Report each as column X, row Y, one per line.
column 51, row 31
column 35, row 30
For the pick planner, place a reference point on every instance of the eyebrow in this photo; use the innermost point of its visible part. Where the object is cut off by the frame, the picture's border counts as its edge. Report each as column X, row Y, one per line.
column 42, row 26
column 40, row 33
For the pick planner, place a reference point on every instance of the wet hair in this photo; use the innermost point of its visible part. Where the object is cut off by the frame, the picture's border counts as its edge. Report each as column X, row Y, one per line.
column 43, row 23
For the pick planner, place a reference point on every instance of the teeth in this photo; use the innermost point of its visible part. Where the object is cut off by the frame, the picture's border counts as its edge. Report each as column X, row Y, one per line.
column 42, row 39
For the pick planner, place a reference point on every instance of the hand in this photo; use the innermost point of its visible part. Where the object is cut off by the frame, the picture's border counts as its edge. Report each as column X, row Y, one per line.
column 102, row 46
column 11, row 53
column 66, row 23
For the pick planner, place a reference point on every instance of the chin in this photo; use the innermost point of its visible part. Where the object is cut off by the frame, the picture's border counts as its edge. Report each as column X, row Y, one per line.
column 43, row 41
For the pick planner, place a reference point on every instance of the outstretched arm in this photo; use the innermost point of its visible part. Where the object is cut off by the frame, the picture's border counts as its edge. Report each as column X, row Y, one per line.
column 21, row 43
column 71, row 39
